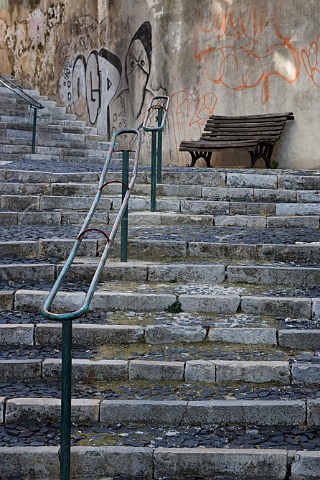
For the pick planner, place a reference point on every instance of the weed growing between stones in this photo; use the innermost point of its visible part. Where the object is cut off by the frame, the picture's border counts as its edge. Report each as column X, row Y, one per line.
column 176, row 307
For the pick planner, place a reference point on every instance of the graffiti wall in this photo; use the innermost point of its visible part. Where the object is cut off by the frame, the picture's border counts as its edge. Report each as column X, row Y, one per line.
column 104, row 62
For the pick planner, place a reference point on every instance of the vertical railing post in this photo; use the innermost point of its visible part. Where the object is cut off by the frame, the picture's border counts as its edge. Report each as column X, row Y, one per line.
column 124, row 220
column 66, row 374
column 153, row 171
column 159, row 150
column 34, row 130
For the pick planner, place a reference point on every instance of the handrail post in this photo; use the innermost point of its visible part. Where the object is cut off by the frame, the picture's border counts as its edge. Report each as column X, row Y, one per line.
column 66, row 375
column 153, row 171
column 156, row 142
column 124, row 220
column 34, row 130
column 159, row 150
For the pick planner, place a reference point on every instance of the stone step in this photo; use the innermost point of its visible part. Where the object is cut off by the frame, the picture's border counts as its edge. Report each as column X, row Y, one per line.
column 192, row 371
column 154, row 412
column 93, row 463
column 46, row 244
column 244, row 178
column 62, row 140
column 197, row 298
column 270, row 274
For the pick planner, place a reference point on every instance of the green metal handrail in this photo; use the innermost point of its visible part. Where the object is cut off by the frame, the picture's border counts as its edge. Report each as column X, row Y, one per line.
column 66, row 351
column 85, row 228
column 159, row 104
column 27, row 98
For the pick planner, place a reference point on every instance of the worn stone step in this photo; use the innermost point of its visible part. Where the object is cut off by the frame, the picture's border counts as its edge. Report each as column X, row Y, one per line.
column 155, row 464
column 205, row 371
column 166, row 412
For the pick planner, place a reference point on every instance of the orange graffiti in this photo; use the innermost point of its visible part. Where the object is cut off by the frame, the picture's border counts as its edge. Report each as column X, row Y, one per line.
column 190, row 115
column 310, row 60
column 244, row 49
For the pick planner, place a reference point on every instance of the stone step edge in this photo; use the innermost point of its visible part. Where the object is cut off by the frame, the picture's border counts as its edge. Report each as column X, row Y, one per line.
column 94, row 463
column 92, row 335
column 227, row 303
column 164, row 412
column 144, row 271
column 60, row 247
column 205, row 371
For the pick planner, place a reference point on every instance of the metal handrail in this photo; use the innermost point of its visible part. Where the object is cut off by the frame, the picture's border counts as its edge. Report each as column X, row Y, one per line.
column 85, row 228
column 17, row 90
column 161, row 104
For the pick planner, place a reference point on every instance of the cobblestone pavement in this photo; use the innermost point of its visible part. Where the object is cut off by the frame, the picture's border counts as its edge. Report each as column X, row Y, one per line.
column 226, row 235
column 140, row 390
column 213, row 436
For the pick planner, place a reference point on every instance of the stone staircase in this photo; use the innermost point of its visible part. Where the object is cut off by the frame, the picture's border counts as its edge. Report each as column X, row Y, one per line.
column 199, row 357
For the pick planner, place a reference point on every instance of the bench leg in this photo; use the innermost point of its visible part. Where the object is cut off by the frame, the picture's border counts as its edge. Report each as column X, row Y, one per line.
column 196, row 155
column 263, row 151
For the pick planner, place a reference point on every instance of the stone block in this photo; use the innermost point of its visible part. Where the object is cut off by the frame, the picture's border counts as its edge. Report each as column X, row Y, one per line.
column 210, row 303
column 8, row 219
column 227, row 194
column 16, row 334
column 23, row 249
column 155, row 370
column 131, row 301
column 186, row 273
column 89, row 335
column 151, row 249
column 19, row 370
column 290, row 306
column 194, row 177
column 311, row 196
column 38, row 463
column 210, row 463
column 200, row 371
column 33, row 300
column 204, row 207
column 39, row 218
column 2, row 400
column 248, row 336
column 297, row 209
column 15, row 203
column 222, row 251
column 300, row 339
column 253, row 180
column 278, row 195
column 277, row 275
column 296, row 182
column 252, row 371
column 306, row 373
column 25, row 272
column 240, row 221
column 106, row 463
column 316, row 308
column 89, row 371
column 6, row 299
column 313, row 413
column 249, row 412
column 306, row 466
column 258, row 208
column 293, row 222
column 138, row 411
column 308, row 253
column 60, row 248
column 157, row 334
column 44, row 410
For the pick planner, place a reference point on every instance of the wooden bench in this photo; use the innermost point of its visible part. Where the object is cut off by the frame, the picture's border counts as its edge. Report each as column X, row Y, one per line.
column 255, row 133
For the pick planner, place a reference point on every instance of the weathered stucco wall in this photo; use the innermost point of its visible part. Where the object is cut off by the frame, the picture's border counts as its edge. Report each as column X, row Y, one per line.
column 104, row 59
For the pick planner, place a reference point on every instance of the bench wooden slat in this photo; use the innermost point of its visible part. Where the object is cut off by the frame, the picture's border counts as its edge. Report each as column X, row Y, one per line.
column 255, row 133
column 248, row 118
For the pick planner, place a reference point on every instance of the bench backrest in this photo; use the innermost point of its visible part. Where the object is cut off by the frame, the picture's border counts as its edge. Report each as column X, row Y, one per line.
column 267, row 127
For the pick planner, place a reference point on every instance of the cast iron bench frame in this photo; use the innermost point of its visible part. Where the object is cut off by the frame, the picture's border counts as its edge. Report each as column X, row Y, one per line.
column 255, row 133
